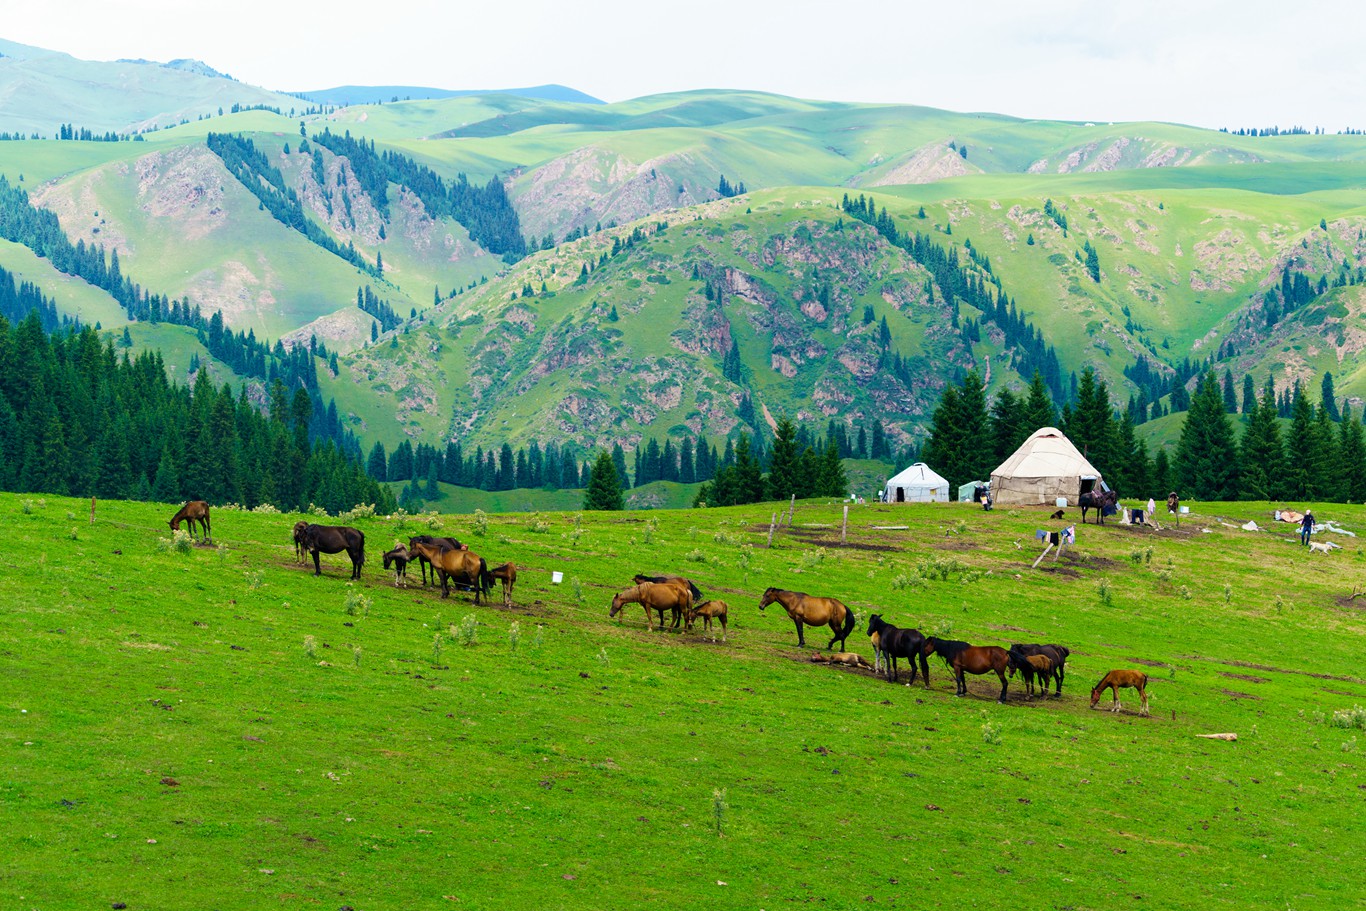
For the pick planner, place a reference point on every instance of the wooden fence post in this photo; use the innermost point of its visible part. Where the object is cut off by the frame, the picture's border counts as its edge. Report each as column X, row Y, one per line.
column 772, row 524
column 844, row 529
column 791, row 508
column 92, row 510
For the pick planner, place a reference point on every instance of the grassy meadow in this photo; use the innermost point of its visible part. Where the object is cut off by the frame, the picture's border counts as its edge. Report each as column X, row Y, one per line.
column 213, row 727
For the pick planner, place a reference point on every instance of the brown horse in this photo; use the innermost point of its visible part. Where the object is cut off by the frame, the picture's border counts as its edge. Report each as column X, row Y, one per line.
column 1118, row 680
column 433, row 542
column 299, row 548
column 464, row 566
column 657, row 597
column 709, row 610
column 507, row 575
column 813, row 611
column 333, row 539
column 192, row 512
column 1174, row 506
column 963, row 658
column 696, row 592
column 398, row 558
column 1030, row 668
column 1057, row 654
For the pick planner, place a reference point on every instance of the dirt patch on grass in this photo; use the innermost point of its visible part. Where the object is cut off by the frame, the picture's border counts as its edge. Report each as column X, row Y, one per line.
column 1234, row 694
column 1275, row 670
column 1148, row 662
column 1248, row 677
column 853, row 545
column 1060, row 571
column 957, row 545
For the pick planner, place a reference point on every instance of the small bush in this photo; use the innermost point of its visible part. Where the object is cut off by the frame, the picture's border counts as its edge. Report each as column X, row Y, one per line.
column 1355, row 717
column 316, row 510
column 603, row 658
column 1103, row 592
column 467, row 633
column 266, row 509
column 939, row 568
column 310, row 647
column 179, row 543
column 577, row 586
column 537, row 642
column 1228, row 593
column 1185, row 593
column 647, row 534
column 991, row 733
column 359, row 511
column 695, row 556
column 436, row 648
column 1136, row 557
column 255, row 578
column 355, row 654
column 514, row 636
column 481, row 524
column 357, row 604
column 942, row 629
column 718, row 809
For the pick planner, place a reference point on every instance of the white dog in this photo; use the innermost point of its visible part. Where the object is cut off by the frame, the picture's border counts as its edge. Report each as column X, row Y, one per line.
column 1323, row 547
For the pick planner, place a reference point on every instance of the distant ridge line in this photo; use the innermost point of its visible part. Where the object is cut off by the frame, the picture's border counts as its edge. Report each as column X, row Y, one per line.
column 374, row 94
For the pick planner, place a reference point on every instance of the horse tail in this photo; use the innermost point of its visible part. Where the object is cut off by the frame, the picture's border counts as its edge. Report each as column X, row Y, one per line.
column 696, row 592
column 849, row 622
column 485, row 577
column 361, row 561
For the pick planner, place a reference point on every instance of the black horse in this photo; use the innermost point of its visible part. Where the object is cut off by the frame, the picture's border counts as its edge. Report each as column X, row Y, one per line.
column 1054, row 653
column 1099, row 500
column 894, row 642
column 333, row 539
column 430, row 541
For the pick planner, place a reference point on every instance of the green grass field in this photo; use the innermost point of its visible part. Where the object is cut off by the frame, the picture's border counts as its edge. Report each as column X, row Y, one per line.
column 218, row 728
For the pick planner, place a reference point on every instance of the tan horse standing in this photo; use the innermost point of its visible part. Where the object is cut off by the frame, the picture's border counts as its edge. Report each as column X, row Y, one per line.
column 1118, row 680
column 655, row 596
column 811, row 610
column 709, row 610
column 465, row 566
column 192, row 512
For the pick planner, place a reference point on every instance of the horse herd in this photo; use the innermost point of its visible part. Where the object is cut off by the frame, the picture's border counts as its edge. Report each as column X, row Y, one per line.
column 454, row 564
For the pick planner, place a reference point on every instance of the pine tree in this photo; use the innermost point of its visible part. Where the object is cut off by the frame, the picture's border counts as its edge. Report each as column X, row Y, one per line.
column 1038, row 407
column 1091, row 425
column 1352, row 452
column 1249, row 394
column 1230, row 396
column 1261, row 457
column 1206, row 457
column 830, row 479
column 1008, row 425
column 748, row 474
column 783, row 464
column 1328, row 398
column 619, row 462
column 1302, row 451
column 604, row 485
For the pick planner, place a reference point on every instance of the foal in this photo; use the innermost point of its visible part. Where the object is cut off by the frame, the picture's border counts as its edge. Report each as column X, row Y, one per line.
column 1117, row 680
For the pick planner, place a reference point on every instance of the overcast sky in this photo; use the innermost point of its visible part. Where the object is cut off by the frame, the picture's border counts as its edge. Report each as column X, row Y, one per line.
column 1244, row 63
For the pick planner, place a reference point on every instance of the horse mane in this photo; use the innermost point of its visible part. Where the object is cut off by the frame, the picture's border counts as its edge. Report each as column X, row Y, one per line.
column 1096, row 688
column 948, row 649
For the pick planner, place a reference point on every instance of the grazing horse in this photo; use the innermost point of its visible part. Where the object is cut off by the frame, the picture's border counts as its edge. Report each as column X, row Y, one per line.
column 970, row 659
column 464, row 566
column 813, row 611
column 1099, row 500
column 299, row 549
column 709, row 611
column 398, row 559
column 894, row 642
column 333, row 539
column 192, row 512
column 507, row 575
column 654, row 597
column 1054, row 653
column 432, row 542
column 696, row 592
column 1118, row 680
column 1174, row 506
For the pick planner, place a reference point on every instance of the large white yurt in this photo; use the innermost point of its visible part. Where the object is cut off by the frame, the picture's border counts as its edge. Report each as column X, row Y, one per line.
column 1046, row 468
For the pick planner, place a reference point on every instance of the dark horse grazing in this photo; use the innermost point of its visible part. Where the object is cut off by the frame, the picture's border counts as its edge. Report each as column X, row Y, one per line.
column 432, row 542
column 463, row 566
column 1057, row 654
column 1174, row 506
column 894, row 642
column 192, row 512
column 970, row 659
column 1099, row 500
column 333, row 539
column 813, row 611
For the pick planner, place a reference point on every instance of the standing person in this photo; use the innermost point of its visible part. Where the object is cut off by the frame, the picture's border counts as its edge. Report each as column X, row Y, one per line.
column 1306, row 527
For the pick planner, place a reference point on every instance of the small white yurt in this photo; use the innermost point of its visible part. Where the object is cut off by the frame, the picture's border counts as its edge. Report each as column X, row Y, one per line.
column 1045, row 470
column 917, row 484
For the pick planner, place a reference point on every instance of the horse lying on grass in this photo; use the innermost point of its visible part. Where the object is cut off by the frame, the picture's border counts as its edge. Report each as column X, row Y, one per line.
column 848, row 659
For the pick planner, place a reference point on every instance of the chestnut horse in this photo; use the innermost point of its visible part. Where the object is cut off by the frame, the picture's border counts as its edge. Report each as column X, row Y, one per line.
column 464, row 566
column 655, row 596
column 1057, row 654
column 1118, row 680
column 813, row 611
column 333, row 539
column 192, row 512
column 709, row 610
column 970, row 659
column 1174, row 506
